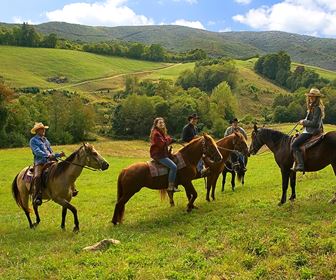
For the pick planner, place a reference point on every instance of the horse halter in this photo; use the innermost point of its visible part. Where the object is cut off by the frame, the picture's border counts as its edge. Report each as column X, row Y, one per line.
column 206, row 150
column 256, row 143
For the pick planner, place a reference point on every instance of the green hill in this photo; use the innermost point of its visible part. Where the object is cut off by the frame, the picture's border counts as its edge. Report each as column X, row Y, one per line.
column 303, row 49
column 23, row 67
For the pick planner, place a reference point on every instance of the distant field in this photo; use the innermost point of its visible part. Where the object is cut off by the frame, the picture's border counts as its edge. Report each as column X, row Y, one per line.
column 328, row 74
column 22, row 67
column 241, row 235
column 172, row 72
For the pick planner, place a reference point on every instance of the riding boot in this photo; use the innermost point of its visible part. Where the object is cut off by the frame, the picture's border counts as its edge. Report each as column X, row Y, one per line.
column 172, row 187
column 299, row 162
column 38, row 190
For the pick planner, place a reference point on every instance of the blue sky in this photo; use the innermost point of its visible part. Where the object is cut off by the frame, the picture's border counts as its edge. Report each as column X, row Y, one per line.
column 311, row 17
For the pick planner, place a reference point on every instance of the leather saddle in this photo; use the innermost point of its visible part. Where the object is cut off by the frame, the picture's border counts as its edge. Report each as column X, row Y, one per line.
column 157, row 169
column 316, row 138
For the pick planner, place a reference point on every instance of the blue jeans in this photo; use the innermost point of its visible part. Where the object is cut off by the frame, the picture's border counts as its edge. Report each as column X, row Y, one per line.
column 200, row 165
column 172, row 168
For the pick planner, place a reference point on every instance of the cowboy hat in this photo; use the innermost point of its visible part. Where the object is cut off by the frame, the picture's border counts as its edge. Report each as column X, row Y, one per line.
column 234, row 120
column 193, row 116
column 314, row 92
column 37, row 126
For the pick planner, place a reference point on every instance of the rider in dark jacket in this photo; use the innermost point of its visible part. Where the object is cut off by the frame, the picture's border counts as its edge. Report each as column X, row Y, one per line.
column 312, row 125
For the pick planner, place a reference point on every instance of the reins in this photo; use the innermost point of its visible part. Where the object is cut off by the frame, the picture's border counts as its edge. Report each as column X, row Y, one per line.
column 83, row 166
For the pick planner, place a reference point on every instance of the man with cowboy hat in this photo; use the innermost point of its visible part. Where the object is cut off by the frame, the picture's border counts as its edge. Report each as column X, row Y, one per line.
column 312, row 125
column 189, row 132
column 235, row 128
column 42, row 154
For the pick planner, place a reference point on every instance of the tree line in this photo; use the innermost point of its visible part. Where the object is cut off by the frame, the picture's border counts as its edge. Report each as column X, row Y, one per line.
column 69, row 118
column 27, row 36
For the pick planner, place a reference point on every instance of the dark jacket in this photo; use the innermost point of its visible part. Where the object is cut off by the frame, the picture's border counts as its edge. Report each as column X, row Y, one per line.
column 159, row 145
column 313, row 123
column 189, row 132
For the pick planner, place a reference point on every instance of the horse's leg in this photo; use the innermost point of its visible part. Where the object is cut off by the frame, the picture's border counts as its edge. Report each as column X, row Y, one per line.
column 120, row 207
column 233, row 179
column 67, row 205
column 292, row 184
column 189, row 186
column 25, row 207
column 333, row 200
column 38, row 220
column 213, row 186
column 64, row 212
column 209, row 182
column 171, row 199
column 224, row 179
column 285, row 177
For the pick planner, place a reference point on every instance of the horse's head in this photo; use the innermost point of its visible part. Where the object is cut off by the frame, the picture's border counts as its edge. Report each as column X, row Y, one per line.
column 256, row 143
column 92, row 157
column 240, row 144
column 210, row 148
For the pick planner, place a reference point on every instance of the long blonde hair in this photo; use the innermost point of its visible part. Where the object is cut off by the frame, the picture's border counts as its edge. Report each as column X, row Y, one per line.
column 317, row 103
column 163, row 130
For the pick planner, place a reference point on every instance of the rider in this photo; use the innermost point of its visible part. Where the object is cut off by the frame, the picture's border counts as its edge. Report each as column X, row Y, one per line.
column 189, row 132
column 235, row 128
column 160, row 141
column 232, row 129
column 312, row 125
column 42, row 154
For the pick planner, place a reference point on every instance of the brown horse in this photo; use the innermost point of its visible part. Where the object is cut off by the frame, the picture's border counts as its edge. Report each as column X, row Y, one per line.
column 230, row 144
column 136, row 176
column 60, row 179
column 316, row 158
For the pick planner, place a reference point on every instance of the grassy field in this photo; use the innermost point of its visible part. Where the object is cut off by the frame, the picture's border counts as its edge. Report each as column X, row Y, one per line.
column 241, row 235
column 22, row 67
column 328, row 74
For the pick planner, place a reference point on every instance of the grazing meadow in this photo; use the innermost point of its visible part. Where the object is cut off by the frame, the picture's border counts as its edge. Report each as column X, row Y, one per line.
column 241, row 235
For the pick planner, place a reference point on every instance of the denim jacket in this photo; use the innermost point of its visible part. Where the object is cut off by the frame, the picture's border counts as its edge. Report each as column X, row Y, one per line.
column 41, row 149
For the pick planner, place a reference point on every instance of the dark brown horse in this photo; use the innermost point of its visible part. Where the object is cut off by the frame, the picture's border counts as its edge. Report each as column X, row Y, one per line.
column 227, row 145
column 61, row 178
column 136, row 176
column 235, row 166
column 317, row 157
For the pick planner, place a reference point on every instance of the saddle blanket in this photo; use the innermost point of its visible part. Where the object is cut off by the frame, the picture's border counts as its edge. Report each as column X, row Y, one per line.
column 157, row 169
column 29, row 174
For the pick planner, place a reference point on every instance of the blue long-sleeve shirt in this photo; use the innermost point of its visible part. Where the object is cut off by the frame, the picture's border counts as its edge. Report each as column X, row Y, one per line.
column 41, row 149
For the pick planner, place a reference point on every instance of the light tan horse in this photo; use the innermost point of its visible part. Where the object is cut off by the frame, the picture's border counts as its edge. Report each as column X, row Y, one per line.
column 60, row 178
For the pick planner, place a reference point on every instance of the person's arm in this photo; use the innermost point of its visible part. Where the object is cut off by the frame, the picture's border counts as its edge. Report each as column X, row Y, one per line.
column 243, row 132
column 227, row 132
column 159, row 140
column 185, row 134
column 37, row 148
column 316, row 121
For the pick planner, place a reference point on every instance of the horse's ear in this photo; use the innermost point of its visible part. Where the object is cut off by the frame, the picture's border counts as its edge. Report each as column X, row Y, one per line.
column 255, row 127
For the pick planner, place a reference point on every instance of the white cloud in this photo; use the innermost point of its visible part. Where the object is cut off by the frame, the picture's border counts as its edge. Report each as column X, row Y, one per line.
column 108, row 13
column 312, row 17
column 193, row 24
column 243, row 2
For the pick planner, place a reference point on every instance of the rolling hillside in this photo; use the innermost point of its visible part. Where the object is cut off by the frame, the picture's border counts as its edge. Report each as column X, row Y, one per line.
column 303, row 49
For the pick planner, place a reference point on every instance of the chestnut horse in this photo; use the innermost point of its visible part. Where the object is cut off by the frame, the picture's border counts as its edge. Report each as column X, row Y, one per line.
column 233, row 143
column 60, row 178
column 136, row 176
column 317, row 157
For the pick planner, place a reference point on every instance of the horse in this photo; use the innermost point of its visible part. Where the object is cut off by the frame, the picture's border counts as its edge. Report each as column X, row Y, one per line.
column 60, row 177
column 316, row 158
column 230, row 144
column 136, row 176
column 235, row 165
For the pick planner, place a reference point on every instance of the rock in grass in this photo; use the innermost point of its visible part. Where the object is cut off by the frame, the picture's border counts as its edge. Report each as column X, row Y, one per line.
column 101, row 245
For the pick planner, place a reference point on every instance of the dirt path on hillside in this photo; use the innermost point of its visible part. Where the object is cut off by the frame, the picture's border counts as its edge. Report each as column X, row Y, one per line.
column 116, row 76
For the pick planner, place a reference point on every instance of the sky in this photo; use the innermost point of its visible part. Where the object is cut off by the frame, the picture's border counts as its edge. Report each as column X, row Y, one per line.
column 309, row 17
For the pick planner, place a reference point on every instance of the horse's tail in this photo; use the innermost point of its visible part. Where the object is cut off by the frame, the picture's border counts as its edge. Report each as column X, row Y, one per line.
column 119, row 195
column 16, row 194
column 163, row 194
column 240, row 176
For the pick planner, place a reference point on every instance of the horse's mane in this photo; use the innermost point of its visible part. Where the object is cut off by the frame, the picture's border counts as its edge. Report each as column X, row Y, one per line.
column 186, row 147
column 274, row 135
column 62, row 166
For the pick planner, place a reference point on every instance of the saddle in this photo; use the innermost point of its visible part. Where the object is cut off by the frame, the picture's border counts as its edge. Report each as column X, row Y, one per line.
column 29, row 174
column 157, row 169
column 316, row 138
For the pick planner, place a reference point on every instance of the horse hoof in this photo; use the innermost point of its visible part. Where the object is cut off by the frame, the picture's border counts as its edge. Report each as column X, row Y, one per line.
column 172, row 205
column 208, row 199
column 189, row 209
column 63, row 228
column 280, row 203
column 76, row 229
column 194, row 207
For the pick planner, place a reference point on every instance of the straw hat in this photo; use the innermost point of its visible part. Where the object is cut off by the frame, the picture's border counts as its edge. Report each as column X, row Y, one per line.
column 37, row 126
column 314, row 92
